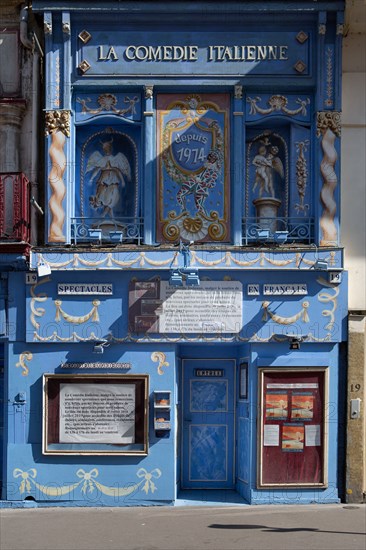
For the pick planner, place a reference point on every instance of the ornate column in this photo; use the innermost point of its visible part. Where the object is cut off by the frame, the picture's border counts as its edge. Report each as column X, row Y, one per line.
column 328, row 128
column 57, row 126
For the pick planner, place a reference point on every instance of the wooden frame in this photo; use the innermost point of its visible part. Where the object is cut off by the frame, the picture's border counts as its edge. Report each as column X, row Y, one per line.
column 132, row 414
column 292, row 457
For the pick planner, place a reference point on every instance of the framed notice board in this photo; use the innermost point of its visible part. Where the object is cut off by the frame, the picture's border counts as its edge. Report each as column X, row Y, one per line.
column 87, row 414
column 292, row 430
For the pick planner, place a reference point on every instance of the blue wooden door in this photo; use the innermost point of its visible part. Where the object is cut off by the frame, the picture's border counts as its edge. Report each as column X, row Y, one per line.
column 208, row 424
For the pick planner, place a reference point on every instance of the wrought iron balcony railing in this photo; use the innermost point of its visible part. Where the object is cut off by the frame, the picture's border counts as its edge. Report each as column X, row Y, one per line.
column 14, row 207
column 105, row 231
column 280, row 230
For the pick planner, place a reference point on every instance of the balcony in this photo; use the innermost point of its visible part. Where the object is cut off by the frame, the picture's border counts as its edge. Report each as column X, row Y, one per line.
column 14, row 207
column 278, row 230
column 105, row 231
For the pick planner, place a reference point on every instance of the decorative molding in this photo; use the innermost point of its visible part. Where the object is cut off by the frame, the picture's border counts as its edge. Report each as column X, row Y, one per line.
column 303, row 315
column 107, row 102
column 329, row 77
column 149, row 91
column 301, row 175
column 327, row 298
column 23, row 357
column 228, row 259
column 328, row 120
column 66, row 29
column 238, row 91
column 160, row 357
column 88, row 483
column 302, row 37
column 85, row 36
column 84, row 66
column 300, row 66
column 340, row 29
column 147, row 338
column 278, row 103
column 57, row 121
column 37, row 298
column 47, row 28
column 322, row 29
column 77, row 320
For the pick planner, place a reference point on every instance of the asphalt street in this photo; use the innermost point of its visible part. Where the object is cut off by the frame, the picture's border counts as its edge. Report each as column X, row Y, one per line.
column 296, row 527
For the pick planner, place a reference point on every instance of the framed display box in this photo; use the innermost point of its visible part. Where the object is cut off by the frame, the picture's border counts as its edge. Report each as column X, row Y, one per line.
column 292, row 438
column 87, row 414
column 243, row 381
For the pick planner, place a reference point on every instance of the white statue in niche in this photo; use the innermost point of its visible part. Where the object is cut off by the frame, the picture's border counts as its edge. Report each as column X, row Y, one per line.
column 111, row 172
column 267, row 162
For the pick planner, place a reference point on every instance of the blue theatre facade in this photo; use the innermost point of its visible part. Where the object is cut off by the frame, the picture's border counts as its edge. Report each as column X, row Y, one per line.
column 184, row 324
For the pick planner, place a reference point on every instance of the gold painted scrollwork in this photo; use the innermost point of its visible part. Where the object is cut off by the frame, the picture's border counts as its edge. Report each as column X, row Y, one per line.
column 160, row 357
column 23, row 357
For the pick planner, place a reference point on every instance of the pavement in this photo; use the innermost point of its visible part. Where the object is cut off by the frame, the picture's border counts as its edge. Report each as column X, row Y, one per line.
column 276, row 527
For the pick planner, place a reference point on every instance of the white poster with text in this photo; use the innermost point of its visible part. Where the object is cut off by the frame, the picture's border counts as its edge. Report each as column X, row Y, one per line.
column 97, row 413
column 213, row 307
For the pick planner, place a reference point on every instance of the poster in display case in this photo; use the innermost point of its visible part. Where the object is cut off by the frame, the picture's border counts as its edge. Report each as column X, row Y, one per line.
column 95, row 414
column 292, row 442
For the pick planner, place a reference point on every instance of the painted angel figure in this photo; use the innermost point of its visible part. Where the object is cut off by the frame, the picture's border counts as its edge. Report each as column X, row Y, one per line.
column 111, row 173
column 267, row 162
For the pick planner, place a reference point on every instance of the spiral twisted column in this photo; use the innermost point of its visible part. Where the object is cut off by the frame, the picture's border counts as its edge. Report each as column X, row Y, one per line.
column 329, row 128
column 58, row 127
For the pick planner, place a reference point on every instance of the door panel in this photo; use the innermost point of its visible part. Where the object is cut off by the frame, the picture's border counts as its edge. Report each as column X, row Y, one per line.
column 208, row 423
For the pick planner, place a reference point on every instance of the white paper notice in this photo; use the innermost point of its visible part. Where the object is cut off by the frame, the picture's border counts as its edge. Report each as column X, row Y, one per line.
column 312, row 436
column 97, row 413
column 271, row 435
column 212, row 307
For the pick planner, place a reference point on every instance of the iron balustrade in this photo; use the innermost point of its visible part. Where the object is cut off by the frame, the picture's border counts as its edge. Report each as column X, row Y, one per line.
column 14, row 207
column 106, row 231
column 299, row 230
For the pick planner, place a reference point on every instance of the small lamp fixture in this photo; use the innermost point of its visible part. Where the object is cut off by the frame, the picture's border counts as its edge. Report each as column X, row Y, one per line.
column 280, row 237
column 262, row 234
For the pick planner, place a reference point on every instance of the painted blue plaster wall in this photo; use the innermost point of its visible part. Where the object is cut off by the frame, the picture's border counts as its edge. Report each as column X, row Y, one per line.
column 25, row 461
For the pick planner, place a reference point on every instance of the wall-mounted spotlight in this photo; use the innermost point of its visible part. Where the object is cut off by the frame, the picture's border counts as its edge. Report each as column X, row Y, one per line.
column 35, row 204
column 294, row 339
column 321, row 265
column 186, row 273
column 43, row 269
column 175, row 278
column 189, row 275
column 295, row 343
column 99, row 347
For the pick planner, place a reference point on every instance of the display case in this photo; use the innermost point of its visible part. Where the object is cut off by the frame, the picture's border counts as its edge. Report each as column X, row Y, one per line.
column 162, row 409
